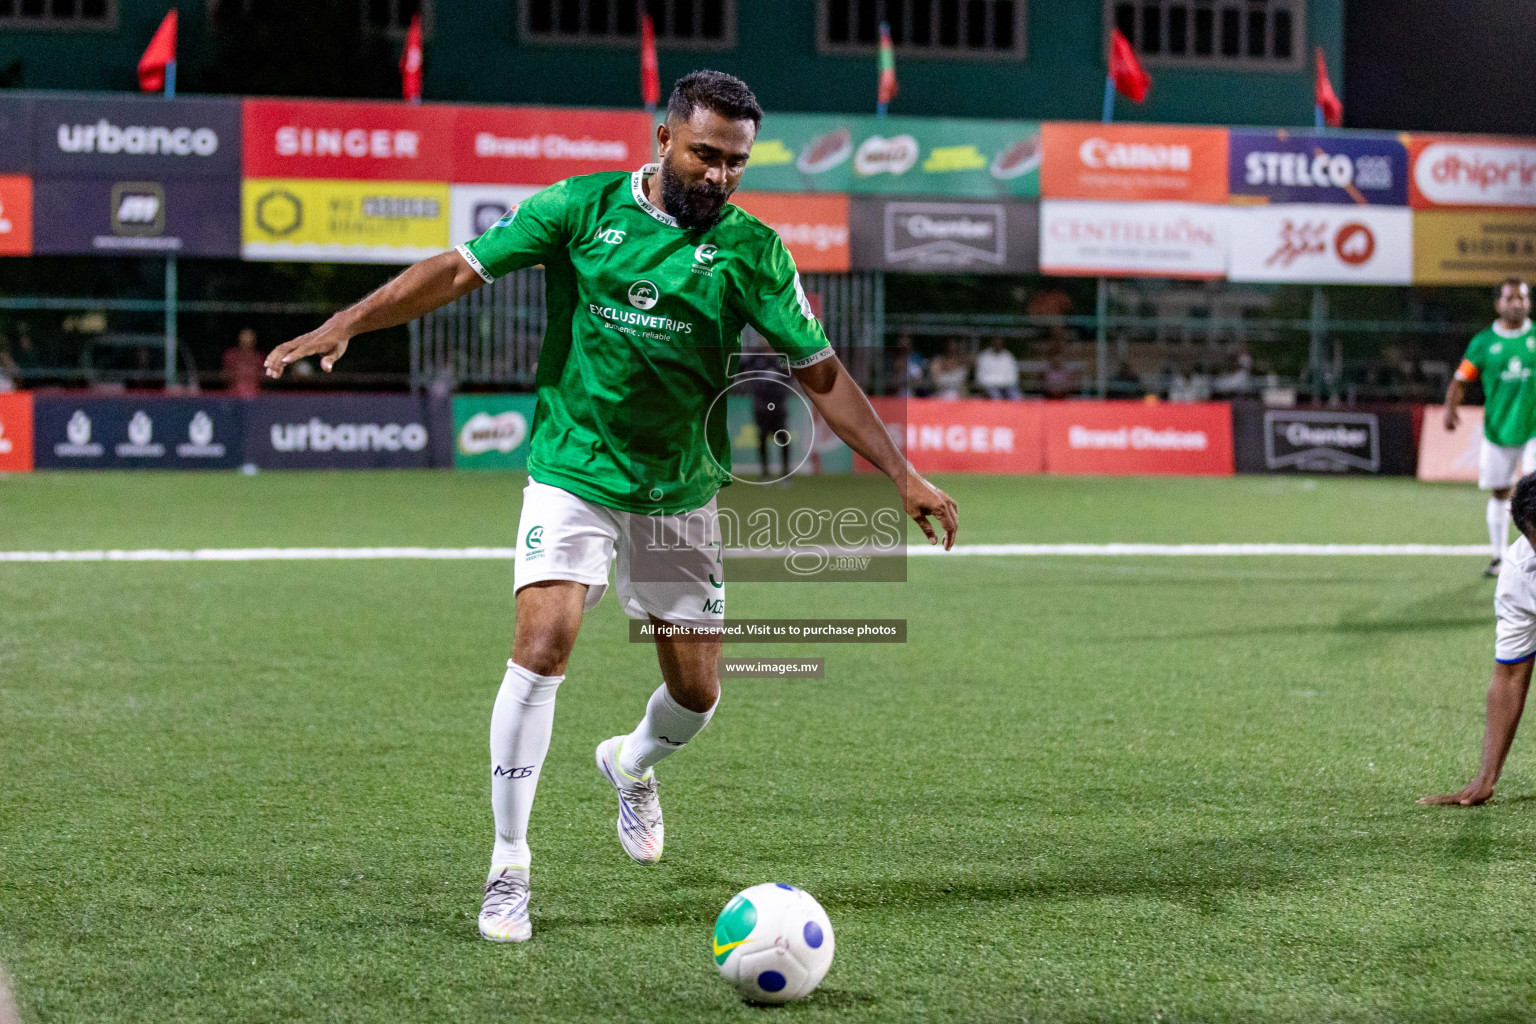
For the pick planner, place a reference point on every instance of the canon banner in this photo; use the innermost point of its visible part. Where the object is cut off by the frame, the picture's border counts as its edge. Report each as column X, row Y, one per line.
column 1301, row 167
column 1470, row 171
column 148, row 217
column 814, row 227
column 15, row 215
column 137, row 432
column 1272, row 440
column 1322, row 244
column 492, row 431
column 1473, row 246
column 1133, row 239
column 15, row 134
column 136, row 138
column 1117, row 438
column 542, row 145
column 15, row 432
column 924, row 156
column 1137, row 162
column 924, row 236
column 338, row 432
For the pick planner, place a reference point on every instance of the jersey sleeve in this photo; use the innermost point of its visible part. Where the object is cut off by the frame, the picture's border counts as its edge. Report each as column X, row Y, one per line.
column 1515, row 639
column 1471, row 362
column 776, row 305
column 533, row 232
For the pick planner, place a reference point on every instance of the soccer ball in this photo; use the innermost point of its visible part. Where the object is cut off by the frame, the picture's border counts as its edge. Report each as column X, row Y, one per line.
column 773, row 943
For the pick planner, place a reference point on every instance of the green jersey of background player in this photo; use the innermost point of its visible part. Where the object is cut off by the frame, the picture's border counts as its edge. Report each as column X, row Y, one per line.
column 1503, row 357
column 651, row 277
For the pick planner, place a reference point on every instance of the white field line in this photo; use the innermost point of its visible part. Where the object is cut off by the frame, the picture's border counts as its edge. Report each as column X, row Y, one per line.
column 960, row 551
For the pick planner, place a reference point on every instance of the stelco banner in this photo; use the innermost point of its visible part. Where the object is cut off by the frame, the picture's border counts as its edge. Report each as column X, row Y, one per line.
column 1299, row 167
column 1322, row 244
column 920, row 235
column 15, row 432
column 338, row 432
column 491, row 431
column 137, row 138
column 137, row 432
column 1474, row 246
column 1133, row 162
column 148, row 217
column 814, row 227
column 926, row 156
column 1187, row 240
column 1116, row 438
column 1470, row 171
column 343, row 221
column 1322, row 441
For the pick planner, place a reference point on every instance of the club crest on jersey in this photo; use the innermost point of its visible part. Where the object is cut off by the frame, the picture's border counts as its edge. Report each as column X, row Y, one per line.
column 643, row 294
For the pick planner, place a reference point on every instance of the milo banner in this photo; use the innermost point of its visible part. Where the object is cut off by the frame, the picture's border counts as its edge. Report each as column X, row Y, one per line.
column 136, row 432
column 491, row 431
column 922, row 156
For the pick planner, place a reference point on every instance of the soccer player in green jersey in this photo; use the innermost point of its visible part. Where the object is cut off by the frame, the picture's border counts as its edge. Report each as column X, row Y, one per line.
column 651, row 277
column 1502, row 357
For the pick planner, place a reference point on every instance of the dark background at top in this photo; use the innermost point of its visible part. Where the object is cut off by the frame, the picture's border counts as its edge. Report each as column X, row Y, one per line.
column 1441, row 65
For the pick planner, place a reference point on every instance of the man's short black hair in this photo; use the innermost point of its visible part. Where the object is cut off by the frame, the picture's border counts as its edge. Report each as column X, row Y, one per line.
column 1522, row 507
column 725, row 94
column 1517, row 283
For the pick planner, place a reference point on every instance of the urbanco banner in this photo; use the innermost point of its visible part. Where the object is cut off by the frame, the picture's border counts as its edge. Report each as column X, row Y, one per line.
column 339, row 432
column 127, row 138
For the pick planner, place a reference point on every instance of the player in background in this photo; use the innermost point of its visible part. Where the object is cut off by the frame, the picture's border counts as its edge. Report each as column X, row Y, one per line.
column 650, row 277
column 1514, row 647
column 1502, row 357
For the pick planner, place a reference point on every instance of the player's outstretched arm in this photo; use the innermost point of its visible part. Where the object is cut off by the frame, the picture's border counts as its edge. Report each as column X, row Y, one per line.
column 1506, row 701
column 423, row 287
column 842, row 403
column 1453, row 396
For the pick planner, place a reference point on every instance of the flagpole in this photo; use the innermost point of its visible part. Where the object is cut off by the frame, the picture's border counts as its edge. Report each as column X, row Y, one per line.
column 1109, row 99
column 1317, row 119
column 1101, row 303
column 170, row 268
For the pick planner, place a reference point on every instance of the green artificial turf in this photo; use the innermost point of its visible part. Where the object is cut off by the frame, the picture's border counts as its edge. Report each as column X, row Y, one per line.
column 1086, row 789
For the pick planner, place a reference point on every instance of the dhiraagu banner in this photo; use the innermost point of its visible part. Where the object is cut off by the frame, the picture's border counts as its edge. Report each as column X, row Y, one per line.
column 342, row 221
column 491, row 431
column 910, row 155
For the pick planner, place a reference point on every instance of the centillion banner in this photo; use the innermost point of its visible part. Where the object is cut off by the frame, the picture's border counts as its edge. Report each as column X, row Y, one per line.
column 331, row 220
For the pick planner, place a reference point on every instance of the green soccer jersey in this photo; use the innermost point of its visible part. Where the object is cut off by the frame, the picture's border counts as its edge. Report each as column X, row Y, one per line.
column 643, row 316
column 1503, row 362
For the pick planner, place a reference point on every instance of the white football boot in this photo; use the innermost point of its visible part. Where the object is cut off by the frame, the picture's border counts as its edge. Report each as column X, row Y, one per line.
column 504, row 914
column 640, row 828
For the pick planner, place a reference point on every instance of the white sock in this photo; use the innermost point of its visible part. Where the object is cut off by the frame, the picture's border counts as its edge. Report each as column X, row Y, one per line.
column 521, row 724
column 667, row 725
column 1498, row 525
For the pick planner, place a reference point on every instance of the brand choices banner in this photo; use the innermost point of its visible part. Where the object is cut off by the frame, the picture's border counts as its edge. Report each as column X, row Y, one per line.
column 1118, row 438
column 918, row 235
column 492, row 431
column 15, row 432
column 136, row 432
column 1301, row 167
column 1135, row 162
column 542, row 145
column 1186, row 240
column 339, row 432
column 1322, row 243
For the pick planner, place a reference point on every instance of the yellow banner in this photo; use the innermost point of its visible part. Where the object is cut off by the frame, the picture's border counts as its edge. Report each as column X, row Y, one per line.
column 342, row 221
column 1456, row 247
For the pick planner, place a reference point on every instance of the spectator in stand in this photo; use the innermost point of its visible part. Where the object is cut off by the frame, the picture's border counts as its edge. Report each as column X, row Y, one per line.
column 997, row 372
column 1126, row 383
column 1055, row 305
column 1060, row 379
column 911, row 369
column 24, row 358
column 951, row 371
column 244, row 367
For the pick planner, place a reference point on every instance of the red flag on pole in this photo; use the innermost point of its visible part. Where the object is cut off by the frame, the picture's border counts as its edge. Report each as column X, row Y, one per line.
column 1131, row 80
column 160, row 52
column 650, row 71
column 410, row 62
column 1327, row 100
column 888, row 85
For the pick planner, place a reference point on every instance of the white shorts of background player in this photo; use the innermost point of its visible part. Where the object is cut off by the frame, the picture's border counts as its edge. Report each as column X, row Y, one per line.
column 1499, row 467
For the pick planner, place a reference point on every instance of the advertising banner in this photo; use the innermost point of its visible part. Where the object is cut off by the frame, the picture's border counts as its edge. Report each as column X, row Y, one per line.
column 15, row 215
column 1303, row 167
column 137, row 432
column 338, row 432
column 491, row 431
column 814, row 227
column 1187, row 240
column 1270, row 440
column 922, row 235
column 15, row 134
column 15, row 432
column 923, row 156
column 1118, row 438
column 111, row 216
column 1471, row 171
column 968, row 436
column 348, row 139
column 1322, row 243
column 136, row 138
column 1132, row 161
column 343, row 221
column 1450, row 456
column 542, row 145
column 474, row 208
column 1473, row 246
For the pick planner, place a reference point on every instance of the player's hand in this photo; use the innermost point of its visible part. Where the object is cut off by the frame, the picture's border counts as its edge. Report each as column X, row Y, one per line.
column 922, row 500
column 1475, row 794
column 327, row 342
column 1451, row 419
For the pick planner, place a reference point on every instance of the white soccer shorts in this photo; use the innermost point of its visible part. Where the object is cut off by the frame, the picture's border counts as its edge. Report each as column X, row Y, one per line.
column 1499, row 467
column 666, row 566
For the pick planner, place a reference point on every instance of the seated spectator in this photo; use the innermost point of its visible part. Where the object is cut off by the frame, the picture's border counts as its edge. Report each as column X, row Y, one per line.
column 25, row 360
column 244, row 367
column 1060, row 379
column 951, row 371
column 1126, row 383
column 997, row 372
